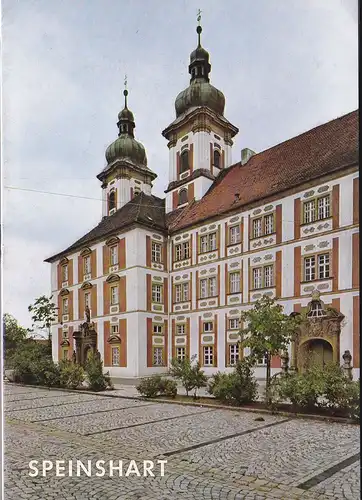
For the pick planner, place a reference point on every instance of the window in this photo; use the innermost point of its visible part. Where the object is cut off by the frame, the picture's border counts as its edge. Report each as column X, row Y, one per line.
column 113, row 251
column 180, row 329
column 208, row 287
column 87, row 264
column 262, row 360
column 158, row 356
column 182, row 197
column 65, row 334
column 184, row 161
column 65, row 354
column 234, row 282
column 268, row 276
column 157, row 293
column 112, row 200
column 208, row 356
column 208, row 243
column 87, row 299
column 114, row 330
column 234, row 235
column 65, row 305
column 317, row 209
column 263, row 277
column 217, row 157
column 323, row 266
column 263, row 226
column 114, row 295
column 182, row 251
column 156, row 252
column 257, row 278
column 157, row 329
column 233, row 354
column 182, row 292
column 233, row 324
column 65, row 273
column 115, row 356
column 269, row 224
column 257, row 232
column 208, row 327
column 317, row 267
column 309, row 268
column 180, row 353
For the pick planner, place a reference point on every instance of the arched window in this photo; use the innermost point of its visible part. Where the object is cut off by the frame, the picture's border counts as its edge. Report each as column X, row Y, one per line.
column 112, row 200
column 182, row 197
column 184, row 161
column 217, row 157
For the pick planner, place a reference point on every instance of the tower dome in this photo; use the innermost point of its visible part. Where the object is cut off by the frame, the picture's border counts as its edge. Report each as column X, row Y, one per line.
column 125, row 147
column 200, row 92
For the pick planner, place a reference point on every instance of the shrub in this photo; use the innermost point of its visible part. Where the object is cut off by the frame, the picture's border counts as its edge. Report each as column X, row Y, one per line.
column 32, row 365
column 97, row 380
column 237, row 387
column 150, row 387
column 71, row 375
column 190, row 375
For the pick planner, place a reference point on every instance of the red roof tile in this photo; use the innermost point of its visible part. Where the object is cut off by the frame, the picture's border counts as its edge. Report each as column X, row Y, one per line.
column 327, row 148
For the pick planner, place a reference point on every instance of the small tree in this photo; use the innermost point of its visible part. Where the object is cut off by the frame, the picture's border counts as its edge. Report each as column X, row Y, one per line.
column 267, row 331
column 44, row 313
column 189, row 373
column 14, row 336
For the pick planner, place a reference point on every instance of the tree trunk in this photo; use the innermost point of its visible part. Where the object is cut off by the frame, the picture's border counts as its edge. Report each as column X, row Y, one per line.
column 50, row 340
column 267, row 382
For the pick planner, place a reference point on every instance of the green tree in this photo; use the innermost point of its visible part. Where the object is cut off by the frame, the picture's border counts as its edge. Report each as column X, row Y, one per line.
column 14, row 335
column 189, row 373
column 267, row 331
column 44, row 314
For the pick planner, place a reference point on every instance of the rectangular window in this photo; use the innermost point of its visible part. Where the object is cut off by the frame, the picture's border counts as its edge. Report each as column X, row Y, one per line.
column 234, row 282
column 114, row 330
column 115, row 356
column 212, row 287
column 309, row 211
column 203, row 289
column 309, row 268
column 182, row 292
column 113, row 254
column 65, row 305
column 182, row 251
column 65, row 354
column 323, row 266
column 87, row 264
column 65, row 334
column 157, row 329
column 268, row 276
column 178, row 252
column 257, row 228
column 158, row 356
column 208, row 326
column 180, row 353
column 269, row 224
column 208, row 356
column 234, row 235
column 156, row 252
column 204, row 244
column 233, row 324
column 208, row 243
column 114, row 295
column 65, row 273
column 87, row 299
column 186, row 249
column 178, row 293
column 185, row 292
column 257, row 278
column 262, row 360
column 157, row 293
column 233, row 354
column 324, row 207
column 212, row 241
column 180, row 329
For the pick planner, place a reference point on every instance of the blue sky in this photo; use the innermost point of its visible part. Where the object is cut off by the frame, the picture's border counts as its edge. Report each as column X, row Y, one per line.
column 284, row 66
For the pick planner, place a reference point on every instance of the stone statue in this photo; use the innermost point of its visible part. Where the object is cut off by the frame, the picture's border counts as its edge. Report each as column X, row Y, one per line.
column 98, row 355
column 87, row 314
column 74, row 357
column 347, row 368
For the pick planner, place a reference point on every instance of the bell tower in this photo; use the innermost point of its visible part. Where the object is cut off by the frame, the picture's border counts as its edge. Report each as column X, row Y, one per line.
column 200, row 138
column 126, row 173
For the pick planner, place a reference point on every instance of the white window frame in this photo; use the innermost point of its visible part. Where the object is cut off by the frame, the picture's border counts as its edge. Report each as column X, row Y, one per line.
column 258, row 227
column 268, row 224
column 324, row 207
column 157, row 356
column 233, row 354
column 178, row 292
column 234, row 235
column 156, row 252
column 203, row 288
column 114, row 295
column 234, row 282
column 310, row 268
column 233, row 323
column 65, row 272
column 65, row 305
column 186, row 249
column 185, row 292
column 208, row 327
column 87, row 264
column 204, row 244
column 157, row 329
column 212, row 287
column 65, row 354
column 324, row 266
column 208, row 352
column 87, row 299
column 178, row 252
column 116, row 356
column 212, row 242
column 114, row 329
column 181, row 329
column 268, row 276
column 157, row 295
column 257, row 278
column 180, row 353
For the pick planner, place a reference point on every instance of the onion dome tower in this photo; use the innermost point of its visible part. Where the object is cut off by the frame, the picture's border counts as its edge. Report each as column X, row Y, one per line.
column 200, row 138
column 126, row 173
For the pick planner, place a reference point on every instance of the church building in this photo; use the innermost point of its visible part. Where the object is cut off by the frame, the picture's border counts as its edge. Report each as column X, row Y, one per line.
column 160, row 278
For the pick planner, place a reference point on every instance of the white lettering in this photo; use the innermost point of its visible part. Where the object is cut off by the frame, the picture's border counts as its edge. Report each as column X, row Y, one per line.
column 99, row 466
column 147, row 467
column 162, row 463
column 70, row 468
column 133, row 469
column 87, row 470
column 58, row 472
column 113, row 467
column 47, row 465
column 32, row 467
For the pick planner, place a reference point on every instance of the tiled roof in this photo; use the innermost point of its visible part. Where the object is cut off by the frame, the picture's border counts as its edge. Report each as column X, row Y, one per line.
column 200, row 172
column 325, row 149
column 142, row 209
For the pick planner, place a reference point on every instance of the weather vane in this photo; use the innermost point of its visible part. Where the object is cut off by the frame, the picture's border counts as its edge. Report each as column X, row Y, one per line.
column 125, row 82
column 199, row 16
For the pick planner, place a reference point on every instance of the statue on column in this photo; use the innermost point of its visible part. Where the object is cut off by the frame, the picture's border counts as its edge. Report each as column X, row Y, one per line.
column 87, row 314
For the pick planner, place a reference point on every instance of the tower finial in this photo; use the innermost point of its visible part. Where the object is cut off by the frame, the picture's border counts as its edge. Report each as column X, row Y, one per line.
column 199, row 29
column 125, row 92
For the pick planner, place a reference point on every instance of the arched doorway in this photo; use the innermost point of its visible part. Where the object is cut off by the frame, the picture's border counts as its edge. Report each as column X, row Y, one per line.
column 316, row 352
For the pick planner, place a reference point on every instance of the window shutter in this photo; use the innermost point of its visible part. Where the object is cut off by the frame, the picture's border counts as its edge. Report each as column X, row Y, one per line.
column 106, row 298
column 148, row 251
column 105, row 259
column 94, row 264
column 80, row 269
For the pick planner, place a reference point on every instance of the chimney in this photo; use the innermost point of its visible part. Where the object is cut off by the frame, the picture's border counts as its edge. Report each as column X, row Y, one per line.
column 246, row 154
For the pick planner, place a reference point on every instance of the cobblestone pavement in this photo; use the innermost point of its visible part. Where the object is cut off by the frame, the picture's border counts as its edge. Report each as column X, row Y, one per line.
column 210, row 453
